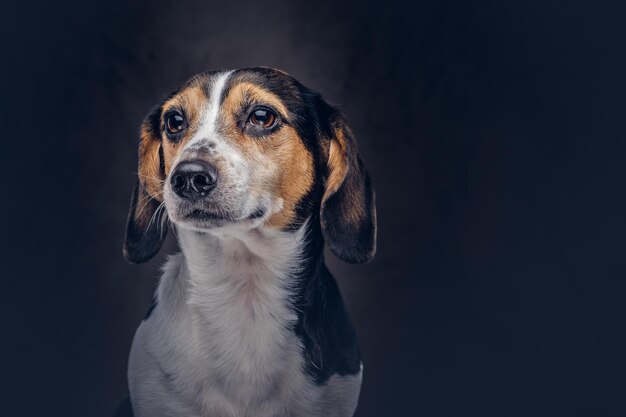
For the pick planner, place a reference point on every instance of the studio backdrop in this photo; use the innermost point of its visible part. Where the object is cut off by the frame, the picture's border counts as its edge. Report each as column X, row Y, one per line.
column 495, row 137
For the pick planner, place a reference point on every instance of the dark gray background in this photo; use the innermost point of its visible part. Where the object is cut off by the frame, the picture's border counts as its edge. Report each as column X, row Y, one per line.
column 495, row 135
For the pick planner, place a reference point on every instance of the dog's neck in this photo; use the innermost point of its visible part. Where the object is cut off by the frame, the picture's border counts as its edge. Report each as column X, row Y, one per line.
column 264, row 253
column 248, row 272
column 241, row 291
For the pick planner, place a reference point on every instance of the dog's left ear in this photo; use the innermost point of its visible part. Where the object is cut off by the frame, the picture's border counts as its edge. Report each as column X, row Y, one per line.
column 147, row 219
column 348, row 211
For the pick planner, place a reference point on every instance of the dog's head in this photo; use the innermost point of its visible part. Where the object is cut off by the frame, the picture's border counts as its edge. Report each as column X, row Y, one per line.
column 236, row 150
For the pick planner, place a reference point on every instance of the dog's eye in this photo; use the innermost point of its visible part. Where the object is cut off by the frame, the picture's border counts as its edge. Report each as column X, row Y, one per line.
column 263, row 118
column 175, row 122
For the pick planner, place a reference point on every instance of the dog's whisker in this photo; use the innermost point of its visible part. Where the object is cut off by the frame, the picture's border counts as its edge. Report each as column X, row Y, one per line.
column 144, row 202
column 156, row 212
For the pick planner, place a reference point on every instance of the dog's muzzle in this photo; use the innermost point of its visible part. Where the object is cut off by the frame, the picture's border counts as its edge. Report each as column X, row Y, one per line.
column 194, row 179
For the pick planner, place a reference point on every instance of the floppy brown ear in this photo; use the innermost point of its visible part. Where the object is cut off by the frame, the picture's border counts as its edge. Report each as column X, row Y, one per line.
column 348, row 211
column 147, row 218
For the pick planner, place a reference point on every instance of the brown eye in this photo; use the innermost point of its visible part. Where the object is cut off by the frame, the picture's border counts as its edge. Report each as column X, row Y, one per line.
column 175, row 123
column 263, row 118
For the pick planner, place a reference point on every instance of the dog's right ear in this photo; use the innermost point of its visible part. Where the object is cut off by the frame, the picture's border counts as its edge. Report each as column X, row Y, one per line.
column 147, row 218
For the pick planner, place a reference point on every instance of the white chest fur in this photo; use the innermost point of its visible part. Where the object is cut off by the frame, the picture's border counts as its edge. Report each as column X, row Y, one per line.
column 220, row 342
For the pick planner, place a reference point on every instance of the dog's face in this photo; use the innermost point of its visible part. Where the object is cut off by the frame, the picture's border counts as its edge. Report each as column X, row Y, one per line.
column 233, row 153
column 237, row 150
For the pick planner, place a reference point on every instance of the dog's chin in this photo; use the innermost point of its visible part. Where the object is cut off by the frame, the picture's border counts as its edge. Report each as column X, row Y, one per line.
column 200, row 219
column 206, row 220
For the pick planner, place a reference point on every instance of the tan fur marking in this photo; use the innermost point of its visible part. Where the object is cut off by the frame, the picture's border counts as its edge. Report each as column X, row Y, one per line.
column 191, row 100
column 284, row 165
column 337, row 165
column 149, row 164
column 253, row 93
column 353, row 209
column 295, row 164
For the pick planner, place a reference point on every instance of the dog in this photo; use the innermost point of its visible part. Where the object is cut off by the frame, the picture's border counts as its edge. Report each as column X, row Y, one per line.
column 256, row 173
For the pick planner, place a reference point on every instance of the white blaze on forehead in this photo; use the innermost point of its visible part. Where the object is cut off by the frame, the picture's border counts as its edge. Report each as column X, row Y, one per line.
column 226, row 157
column 207, row 129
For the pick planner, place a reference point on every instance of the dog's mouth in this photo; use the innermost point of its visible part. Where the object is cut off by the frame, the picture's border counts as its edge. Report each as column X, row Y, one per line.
column 199, row 214
column 202, row 216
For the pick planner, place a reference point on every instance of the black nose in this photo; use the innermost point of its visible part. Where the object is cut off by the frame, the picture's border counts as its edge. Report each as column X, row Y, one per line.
column 194, row 179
